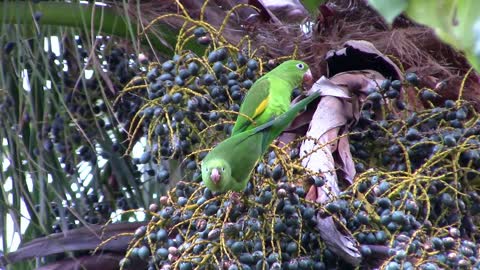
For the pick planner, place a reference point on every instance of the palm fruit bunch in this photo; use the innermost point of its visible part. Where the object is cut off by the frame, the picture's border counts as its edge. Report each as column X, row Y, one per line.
column 96, row 134
column 417, row 188
column 413, row 204
column 270, row 227
column 75, row 141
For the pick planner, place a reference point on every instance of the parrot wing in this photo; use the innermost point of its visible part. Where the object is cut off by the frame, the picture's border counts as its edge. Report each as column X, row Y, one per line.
column 253, row 105
column 280, row 123
column 271, row 129
column 255, row 142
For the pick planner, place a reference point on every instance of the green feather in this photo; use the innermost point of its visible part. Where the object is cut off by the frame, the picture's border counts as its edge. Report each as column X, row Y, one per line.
column 270, row 95
column 236, row 157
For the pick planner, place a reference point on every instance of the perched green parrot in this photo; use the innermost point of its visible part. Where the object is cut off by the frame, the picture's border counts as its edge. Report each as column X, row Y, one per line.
column 270, row 95
column 229, row 165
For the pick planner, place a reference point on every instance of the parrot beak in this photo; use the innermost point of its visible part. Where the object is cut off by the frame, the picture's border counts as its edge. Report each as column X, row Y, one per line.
column 215, row 176
column 308, row 78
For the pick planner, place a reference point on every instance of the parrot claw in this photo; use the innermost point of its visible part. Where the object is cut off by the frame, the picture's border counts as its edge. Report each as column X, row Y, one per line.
column 235, row 197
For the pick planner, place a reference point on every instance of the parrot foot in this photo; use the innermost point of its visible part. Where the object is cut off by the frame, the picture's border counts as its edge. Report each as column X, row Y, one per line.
column 235, row 197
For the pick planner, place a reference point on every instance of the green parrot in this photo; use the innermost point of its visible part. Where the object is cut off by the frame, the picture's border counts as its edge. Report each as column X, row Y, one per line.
column 270, row 95
column 229, row 165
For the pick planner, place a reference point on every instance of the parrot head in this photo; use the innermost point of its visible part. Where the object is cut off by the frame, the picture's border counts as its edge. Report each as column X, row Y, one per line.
column 296, row 70
column 216, row 174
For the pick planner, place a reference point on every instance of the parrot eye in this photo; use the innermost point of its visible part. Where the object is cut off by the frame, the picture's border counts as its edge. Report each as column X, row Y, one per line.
column 223, row 169
column 300, row 66
column 206, row 169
